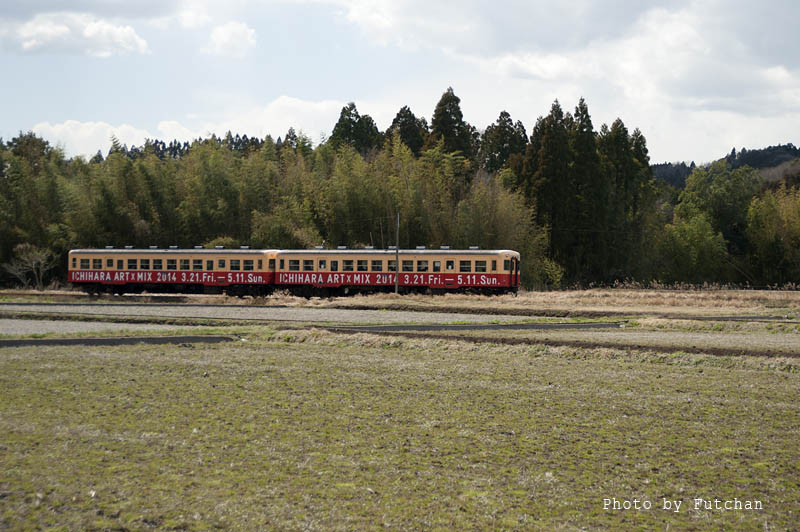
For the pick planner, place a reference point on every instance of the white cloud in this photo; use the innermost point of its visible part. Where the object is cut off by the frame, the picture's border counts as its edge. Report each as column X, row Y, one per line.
column 85, row 138
column 75, row 33
column 314, row 118
column 234, row 39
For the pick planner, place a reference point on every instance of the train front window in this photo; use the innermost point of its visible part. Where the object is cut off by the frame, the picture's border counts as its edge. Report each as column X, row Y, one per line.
column 97, row 264
column 197, row 264
column 347, row 265
column 74, row 262
column 131, row 264
column 465, row 266
column 422, row 265
column 437, row 265
column 506, row 265
column 362, row 265
column 480, row 266
column 172, row 264
column 84, row 264
column 144, row 264
column 157, row 264
column 271, row 264
column 377, row 265
column 294, row 265
column 248, row 265
column 308, row 265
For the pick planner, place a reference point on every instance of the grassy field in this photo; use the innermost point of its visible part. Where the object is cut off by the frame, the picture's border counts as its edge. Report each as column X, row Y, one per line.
column 302, row 430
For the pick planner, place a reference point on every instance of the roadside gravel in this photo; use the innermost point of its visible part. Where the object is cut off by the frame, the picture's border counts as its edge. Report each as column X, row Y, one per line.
column 26, row 327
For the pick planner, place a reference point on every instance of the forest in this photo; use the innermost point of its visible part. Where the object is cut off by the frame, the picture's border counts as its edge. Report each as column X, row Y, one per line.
column 581, row 204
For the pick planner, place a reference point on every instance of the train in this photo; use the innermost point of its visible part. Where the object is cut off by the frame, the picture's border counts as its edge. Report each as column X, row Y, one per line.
column 306, row 272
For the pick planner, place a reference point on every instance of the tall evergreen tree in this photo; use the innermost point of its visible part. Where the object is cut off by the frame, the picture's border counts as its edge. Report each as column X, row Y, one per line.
column 413, row 131
column 355, row 130
column 500, row 141
column 448, row 126
column 590, row 217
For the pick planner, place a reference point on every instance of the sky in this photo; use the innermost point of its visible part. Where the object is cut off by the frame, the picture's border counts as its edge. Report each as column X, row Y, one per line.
column 698, row 78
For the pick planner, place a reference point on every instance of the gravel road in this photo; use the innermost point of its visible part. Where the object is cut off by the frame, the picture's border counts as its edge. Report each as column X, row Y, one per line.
column 305, row 315
column 25, row 327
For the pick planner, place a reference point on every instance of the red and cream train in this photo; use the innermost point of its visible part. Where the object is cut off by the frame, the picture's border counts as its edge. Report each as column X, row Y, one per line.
column 320, row 272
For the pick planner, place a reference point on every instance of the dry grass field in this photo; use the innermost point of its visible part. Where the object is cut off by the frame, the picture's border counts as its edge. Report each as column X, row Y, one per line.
column 310, row 430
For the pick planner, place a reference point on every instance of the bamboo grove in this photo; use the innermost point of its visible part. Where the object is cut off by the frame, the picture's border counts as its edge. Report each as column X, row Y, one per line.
column 581, row 205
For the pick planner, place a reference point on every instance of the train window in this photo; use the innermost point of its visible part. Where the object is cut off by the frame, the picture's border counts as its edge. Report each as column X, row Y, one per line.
column 131, row 264
column 422, row 265
column 157, row 264
column 334, row 265
column 97, row 264
column 84, row 264
column 109, row 263
column 248, row 265
column 308, row 265
column 494, row 265
column 172, row 264
column 451, row 264
column 74, row 262
column 144, row 264
column 506, row 265
column 294, row 265
column 347, row 265
column 362, row 266
column 465, row 266
column 221, row 264
column 184, row 264
column 271, row 264
column 392, row 266
column 260, row 264
column 408, row 265
column 377, row 265
column 197, row 264
column 437, row 265
column 480, row 266
column 210, row 265
column 283, row 264
column 236, row 265
column 322, row 264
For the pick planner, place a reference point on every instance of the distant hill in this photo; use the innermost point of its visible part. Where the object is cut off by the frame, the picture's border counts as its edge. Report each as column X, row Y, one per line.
column 775, row 163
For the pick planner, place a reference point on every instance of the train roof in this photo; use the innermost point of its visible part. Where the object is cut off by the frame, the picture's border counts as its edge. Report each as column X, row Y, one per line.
column 183, row 251
column 162, row 251
column 393, row 251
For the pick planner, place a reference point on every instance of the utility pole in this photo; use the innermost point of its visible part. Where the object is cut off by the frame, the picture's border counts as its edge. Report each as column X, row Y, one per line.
column 397, row 257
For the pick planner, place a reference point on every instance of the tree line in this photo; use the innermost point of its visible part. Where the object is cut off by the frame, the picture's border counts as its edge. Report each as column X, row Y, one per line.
column 581, row 204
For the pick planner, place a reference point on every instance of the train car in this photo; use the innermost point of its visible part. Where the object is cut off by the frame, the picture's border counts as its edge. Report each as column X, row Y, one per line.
column 235, row 271
column 344, row 271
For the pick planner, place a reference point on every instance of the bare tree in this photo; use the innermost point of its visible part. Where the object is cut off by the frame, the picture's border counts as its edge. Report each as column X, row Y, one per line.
column 30, row 264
